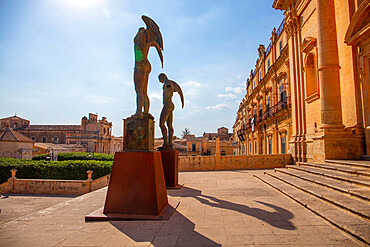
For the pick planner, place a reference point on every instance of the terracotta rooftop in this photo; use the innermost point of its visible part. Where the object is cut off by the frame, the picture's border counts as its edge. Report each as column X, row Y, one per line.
column 11, row 135
column 57, row 147
column 53, row 127
column 14, row 117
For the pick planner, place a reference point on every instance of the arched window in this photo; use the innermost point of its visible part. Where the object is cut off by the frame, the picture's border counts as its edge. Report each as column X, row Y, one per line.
column 270, row 146
column 56, row 140
column 282, row 141
column 282, row 92
column 311, row 77
column 44, row 139
column 261, row 109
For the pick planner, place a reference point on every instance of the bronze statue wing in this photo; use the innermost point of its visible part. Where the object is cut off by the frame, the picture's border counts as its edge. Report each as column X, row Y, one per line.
column 154, row 35
column 178, row 89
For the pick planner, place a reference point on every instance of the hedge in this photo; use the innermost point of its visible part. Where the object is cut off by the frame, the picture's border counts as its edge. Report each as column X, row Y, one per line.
column 77, row 156
column 69, row 170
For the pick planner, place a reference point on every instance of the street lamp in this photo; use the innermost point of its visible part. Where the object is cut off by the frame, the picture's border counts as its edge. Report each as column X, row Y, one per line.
column 54, row 154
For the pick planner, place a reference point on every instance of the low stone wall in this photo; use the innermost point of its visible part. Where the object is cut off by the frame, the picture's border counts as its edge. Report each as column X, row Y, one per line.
column 186, row 163
column 53, row 187
column 233, row 162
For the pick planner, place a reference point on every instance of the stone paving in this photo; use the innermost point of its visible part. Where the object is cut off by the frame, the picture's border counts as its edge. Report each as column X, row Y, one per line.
column 18, row 205
column 221, row 208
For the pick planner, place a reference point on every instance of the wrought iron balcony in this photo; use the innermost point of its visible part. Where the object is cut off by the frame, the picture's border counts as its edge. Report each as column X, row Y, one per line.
column 274, row 110
column 241, row 134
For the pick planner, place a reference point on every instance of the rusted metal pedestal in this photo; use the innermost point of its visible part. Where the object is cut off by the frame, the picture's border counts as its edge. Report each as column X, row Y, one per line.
column 136, row 189
column 170, row 161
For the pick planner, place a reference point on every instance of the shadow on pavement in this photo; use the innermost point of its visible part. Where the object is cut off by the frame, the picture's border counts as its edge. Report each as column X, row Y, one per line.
column 279, row 218
column 178, row 230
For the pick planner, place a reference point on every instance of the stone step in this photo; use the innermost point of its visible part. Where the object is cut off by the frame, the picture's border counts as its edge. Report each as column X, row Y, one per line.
column 362, row 171
column 358, row 163
column 365, row 157
column 364, row 181
column 354, row 205
column 361, row 192
column 348, row 222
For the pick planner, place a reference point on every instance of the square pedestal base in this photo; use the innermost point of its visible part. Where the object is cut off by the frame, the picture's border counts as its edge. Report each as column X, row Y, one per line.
column 166, row 213
column 136, row 188
column 170, row 161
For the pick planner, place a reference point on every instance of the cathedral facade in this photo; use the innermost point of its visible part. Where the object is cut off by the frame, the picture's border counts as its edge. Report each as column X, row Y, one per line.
column 326, row 73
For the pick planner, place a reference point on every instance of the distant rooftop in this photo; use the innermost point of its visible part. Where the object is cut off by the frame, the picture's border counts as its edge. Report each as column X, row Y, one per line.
column 11, row 135
column 54, row 127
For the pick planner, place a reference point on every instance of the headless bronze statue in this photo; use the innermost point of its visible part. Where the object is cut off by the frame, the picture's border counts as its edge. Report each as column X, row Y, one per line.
column 144, row 39
column 169, row 87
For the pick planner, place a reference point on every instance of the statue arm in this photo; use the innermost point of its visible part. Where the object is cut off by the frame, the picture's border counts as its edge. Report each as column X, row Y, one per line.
column 178, row 89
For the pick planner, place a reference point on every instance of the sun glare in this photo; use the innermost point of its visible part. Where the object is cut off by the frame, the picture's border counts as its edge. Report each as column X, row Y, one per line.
column 83, row 3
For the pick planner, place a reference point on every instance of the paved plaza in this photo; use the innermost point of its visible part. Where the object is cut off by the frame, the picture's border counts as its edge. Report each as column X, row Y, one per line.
column 220, row 208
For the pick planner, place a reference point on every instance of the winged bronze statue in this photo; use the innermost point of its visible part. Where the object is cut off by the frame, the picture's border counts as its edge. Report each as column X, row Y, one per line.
column 144, row 39
column 169, row 87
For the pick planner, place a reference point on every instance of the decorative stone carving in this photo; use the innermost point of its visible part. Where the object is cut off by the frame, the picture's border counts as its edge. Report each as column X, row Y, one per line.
column 13, row 171
column 138, row 134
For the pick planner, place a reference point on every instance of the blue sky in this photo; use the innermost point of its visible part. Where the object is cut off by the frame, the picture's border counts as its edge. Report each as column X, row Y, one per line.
column 61, row 59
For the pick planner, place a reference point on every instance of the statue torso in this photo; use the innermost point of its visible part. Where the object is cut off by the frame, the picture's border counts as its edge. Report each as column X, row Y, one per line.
column 168, row 90
column 141, row 47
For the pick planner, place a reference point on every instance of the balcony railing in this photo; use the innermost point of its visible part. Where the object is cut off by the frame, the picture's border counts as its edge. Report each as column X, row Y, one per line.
column 268, row 48
column 281, row 105
column 280, row 27
column 271, row 111
column 241, row 134
column 235, row 143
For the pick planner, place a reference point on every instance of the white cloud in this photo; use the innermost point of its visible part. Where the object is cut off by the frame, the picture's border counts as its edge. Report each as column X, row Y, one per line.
column 192, row 83
column 153, row 96
column 235, row 90
column 106, row 13
column 227, row 95
column 218, row 107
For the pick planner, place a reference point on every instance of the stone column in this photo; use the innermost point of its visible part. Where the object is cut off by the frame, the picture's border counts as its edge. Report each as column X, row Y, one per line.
column 293, row 84
column 299, row 88
column 304, row 122
column 275, row 142
column 218, row 150
column 328, row 66
column 258, row 151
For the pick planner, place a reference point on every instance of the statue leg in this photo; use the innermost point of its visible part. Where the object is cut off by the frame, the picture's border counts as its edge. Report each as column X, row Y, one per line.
column 138, row 80
column 170, row 128
column 162, row 120
column 145, row 93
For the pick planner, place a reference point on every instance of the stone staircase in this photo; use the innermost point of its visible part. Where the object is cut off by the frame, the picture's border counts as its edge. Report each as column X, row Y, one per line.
column 338, row 191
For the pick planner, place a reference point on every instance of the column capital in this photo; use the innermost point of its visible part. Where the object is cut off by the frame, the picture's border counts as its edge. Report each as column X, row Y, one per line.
column 291, row 22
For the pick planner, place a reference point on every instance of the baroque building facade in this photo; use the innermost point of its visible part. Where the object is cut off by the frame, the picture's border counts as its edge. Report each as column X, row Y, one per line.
column 93, row 134
column 328, row 76
column 206, row 144
column 264, row 122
